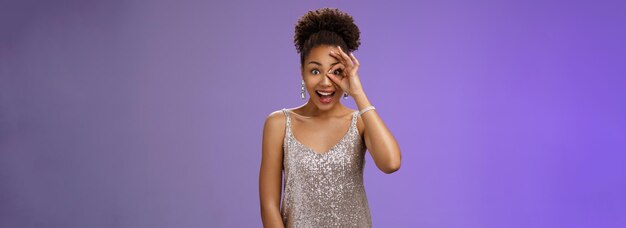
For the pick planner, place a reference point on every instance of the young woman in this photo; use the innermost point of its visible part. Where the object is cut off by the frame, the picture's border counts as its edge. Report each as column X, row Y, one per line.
column 320, row 145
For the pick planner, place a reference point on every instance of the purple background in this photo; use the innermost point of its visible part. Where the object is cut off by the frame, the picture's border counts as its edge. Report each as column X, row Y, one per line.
column 150, row 113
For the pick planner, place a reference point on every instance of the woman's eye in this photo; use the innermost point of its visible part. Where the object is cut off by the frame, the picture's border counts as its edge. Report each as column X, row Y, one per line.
column 337, row 72
column 315, row 71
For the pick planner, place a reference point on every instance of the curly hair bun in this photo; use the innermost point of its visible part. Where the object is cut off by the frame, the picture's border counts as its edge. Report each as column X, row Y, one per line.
column 326, row 26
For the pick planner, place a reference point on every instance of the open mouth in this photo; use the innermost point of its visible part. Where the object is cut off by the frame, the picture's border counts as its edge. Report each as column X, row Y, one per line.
column 325, row 96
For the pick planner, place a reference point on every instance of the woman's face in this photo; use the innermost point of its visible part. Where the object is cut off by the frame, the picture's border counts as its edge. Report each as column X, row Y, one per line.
column 315, row 70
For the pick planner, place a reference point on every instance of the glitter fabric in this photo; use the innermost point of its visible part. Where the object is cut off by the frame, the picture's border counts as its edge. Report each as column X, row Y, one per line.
column 324, row 189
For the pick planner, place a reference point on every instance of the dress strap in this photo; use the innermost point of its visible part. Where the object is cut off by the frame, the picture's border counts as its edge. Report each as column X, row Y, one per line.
column 355, row 115
column 287, row 121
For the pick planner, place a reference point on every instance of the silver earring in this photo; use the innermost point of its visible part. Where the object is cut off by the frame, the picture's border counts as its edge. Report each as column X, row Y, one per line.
column 302, row 90
column 345, row 95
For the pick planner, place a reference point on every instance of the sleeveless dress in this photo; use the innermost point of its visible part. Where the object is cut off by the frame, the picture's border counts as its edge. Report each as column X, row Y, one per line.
column 324, row 189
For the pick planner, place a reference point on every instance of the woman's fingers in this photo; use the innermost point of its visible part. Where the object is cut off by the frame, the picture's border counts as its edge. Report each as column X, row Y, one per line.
column 339, row 67
column 339, row 57
column 356, row 62
column 345, row 57
column 342, row 57
column 336, row 79
column 348, row 65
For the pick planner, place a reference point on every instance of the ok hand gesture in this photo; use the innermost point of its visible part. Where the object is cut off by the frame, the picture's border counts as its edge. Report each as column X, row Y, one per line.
column 347, row 77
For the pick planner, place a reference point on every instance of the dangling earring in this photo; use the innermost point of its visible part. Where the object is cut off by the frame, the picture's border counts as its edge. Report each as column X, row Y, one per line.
column 302, row 90
column 345, row 95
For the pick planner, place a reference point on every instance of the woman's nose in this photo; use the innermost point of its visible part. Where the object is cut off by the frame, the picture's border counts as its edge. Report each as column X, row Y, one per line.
column 326, row 79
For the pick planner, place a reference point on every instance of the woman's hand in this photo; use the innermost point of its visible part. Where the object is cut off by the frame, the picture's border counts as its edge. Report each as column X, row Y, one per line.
column 348, row 79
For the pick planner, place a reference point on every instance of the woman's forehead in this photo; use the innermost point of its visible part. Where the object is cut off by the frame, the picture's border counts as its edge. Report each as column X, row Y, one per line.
column 320, row 55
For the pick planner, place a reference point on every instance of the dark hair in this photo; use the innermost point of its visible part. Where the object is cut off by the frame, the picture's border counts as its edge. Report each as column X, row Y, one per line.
column 325, row 26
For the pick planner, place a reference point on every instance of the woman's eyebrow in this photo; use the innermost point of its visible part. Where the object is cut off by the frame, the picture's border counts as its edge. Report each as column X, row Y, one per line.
column 314, row 62
column 319, row 64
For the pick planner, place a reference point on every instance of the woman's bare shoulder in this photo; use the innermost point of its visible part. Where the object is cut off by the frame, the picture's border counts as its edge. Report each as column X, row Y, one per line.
column 275, row 121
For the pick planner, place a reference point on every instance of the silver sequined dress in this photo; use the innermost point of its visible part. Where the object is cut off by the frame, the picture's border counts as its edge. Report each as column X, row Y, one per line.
column 324, row 189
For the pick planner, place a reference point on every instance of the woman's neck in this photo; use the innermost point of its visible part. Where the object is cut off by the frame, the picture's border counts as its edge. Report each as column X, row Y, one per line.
column 311, row 110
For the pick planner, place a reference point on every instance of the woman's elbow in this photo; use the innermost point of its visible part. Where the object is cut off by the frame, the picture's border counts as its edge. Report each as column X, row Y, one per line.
column 392, row 162
column 391, row 166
